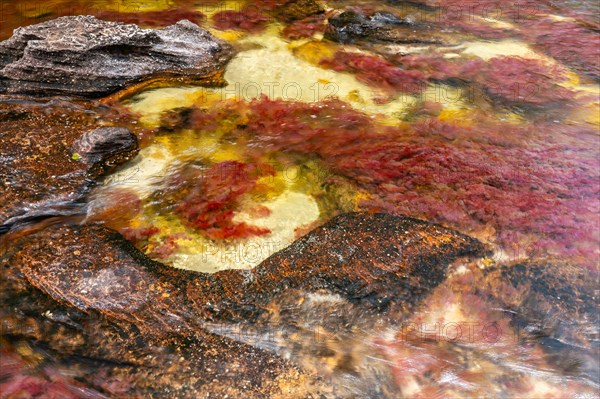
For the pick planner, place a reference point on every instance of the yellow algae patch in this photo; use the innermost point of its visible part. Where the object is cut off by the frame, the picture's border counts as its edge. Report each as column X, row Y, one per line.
column 229, row 35
column 134, row 5
column 289, row 211
column 152, row 103
column 275, row 72
column 461, row 117
column 314, row 51
column 211, row 9
column 271, row 70
column 496, row 23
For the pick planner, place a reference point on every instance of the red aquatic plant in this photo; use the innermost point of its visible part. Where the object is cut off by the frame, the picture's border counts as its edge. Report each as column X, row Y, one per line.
column 20, row 379
column 138, row 234
column 306, row 27
column 377, row 72
column 568, row 42
column 247, row 20
column 211, row 196
column 496, row 9
column 508, row 80
column 516, row 80
column 515, row 179
column 436, row 66
column 476, row 28
column 167, row 247
column 535, row 187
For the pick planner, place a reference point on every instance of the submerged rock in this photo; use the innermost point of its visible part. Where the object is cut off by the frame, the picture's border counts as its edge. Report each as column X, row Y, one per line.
column 382, row 27
column 51, row 154
column 120, row 357
column 556, row 305
column 105, row 147
column 85, row 56
column 133, row 315
column 293, row 10
column 374, row 260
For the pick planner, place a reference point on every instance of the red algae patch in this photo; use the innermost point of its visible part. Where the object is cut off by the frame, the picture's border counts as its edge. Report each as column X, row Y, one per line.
column 306, row 27
column 153, row 19
column 516, row 80
column 248, row 20
column 568, row 42
column 507, row 80
column 206, row 198
column 436, row 67
column 376, row 72
column 511, row 180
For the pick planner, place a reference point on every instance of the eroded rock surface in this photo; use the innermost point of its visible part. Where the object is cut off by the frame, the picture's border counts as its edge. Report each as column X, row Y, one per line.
column 87, row 292
column 374, row 260
column 382, row 27
column 85, row 56
column 51, row 154
column 121, row 356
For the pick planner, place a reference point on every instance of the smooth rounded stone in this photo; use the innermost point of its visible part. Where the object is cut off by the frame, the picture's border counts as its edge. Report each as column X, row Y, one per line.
column 83, row 291
column 85, row 56
column 52, row 155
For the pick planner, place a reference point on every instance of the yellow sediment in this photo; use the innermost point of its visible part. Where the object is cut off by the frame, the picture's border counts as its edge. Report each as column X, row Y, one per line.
column 271, row 70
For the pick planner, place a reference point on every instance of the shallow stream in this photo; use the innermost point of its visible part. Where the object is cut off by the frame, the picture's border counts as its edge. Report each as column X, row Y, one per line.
column 485, row 120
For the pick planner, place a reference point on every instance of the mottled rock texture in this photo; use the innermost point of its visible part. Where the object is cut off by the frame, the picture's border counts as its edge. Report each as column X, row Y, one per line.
column 293, row 10
column 85, row 56
column 86, row 292
column 382, row 27
column 117, row 354
column 52, row 151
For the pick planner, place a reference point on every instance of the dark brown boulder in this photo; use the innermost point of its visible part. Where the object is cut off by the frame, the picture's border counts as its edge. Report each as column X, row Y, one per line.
column 51, row 154
column 293, row 10
column 85, row 56
column 124, row 358
column 374, row 260
column 84, row 292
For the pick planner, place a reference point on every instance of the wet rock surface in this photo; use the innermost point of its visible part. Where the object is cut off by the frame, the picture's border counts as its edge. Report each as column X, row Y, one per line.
column 553, row 303
column 373, row 260
column 105, row 146
column 124, row 358
column 382, row 27
column 88, row 57
column 294, row 10
column 51, row 154
column 100, row 298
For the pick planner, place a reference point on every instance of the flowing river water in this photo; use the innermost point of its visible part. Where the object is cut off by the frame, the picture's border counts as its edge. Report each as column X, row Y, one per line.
column 485, row 121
